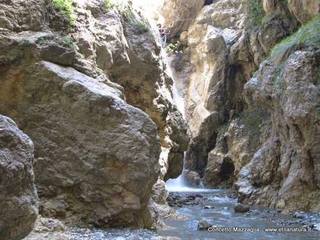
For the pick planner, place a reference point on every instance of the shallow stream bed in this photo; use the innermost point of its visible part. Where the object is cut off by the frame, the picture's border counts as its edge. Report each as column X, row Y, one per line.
column 217, row 208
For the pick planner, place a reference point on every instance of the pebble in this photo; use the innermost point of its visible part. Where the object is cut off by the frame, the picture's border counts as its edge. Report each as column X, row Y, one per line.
column 208, row 207
column 203, row 225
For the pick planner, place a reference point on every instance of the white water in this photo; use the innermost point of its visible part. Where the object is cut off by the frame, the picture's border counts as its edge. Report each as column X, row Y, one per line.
column 179, row 185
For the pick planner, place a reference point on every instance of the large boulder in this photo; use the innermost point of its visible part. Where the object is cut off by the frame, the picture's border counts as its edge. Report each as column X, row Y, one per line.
column 90, row 146
column 18, row 196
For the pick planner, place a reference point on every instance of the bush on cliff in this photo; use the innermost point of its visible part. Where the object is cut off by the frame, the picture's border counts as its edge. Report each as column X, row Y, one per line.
column 66, row 7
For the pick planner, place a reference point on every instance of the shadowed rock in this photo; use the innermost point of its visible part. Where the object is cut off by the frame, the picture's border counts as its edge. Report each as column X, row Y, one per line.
column 18, row 197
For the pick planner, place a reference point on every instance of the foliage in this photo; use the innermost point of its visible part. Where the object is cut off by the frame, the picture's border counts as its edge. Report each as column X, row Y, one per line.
column 68, row 42
column 175, row 47
column 277, row 79
column 255, row 12
column 66, row 7
column 139, row 23
column 130, row 16
column 307, row 35
column 109, row 4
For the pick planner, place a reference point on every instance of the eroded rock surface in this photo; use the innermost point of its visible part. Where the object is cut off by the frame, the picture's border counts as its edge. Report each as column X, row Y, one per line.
column 18, row 196
column 283, row 172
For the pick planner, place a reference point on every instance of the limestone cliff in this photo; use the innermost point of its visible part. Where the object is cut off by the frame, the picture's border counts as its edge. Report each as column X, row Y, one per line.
column 234, row 134
column 283, row 173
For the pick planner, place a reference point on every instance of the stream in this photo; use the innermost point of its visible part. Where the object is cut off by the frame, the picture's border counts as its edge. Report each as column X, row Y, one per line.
column 217, row 208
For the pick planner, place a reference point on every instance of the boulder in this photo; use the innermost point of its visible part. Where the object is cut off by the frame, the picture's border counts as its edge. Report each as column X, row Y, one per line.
column 159, row 192
column 241, row 208
column 18, row 196
column 203, row 225
column 90, row 146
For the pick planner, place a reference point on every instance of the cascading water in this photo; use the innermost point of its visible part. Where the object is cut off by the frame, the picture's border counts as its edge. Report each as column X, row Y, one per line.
column 178, row 184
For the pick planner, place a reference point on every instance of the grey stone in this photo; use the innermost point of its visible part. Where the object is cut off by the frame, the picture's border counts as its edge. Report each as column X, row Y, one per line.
column 18, row 197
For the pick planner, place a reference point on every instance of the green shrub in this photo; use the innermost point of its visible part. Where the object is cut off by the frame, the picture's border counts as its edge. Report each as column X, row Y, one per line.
column 130, row 16
column 66, row 7
column 307, row 35
column 109, row 4
column 175, row 47
column 255, row 12
column 68, row 42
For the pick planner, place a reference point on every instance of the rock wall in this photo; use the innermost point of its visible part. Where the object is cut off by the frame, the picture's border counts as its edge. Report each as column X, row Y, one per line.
column 61, row 70
column 283, row 173
column 177, row 15
column 234, row 134
column 18, row 196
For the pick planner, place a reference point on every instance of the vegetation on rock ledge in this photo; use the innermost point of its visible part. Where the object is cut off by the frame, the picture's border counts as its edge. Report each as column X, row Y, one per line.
column 255, row 12
column 307, row 35
column 66, row 7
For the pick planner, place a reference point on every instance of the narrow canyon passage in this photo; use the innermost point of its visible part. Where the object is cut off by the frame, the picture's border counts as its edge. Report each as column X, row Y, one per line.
column 169, row 119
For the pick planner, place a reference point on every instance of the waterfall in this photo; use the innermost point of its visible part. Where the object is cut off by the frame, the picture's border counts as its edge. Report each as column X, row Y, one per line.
column 177, row 97
column 178, row 184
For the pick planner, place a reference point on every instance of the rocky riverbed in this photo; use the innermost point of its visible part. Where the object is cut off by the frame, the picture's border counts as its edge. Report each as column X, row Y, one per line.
column 215, row 208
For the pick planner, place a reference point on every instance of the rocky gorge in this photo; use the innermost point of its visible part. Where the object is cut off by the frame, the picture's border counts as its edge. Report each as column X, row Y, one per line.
column 103, row 101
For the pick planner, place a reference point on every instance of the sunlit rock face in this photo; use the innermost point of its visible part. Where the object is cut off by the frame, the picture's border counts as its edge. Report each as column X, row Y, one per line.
column 94, row 97
column 283, row 173
column 203, row 71
column 304, row 10
column 177, row 15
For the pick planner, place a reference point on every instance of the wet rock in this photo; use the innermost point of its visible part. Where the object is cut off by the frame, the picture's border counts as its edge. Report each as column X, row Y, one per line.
column 299, row 215
column 203, row 225
column 241, row 208
column 192, row 178
column 208, row 207
column 18, row 197
column 180, row 200
column 48, row 225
